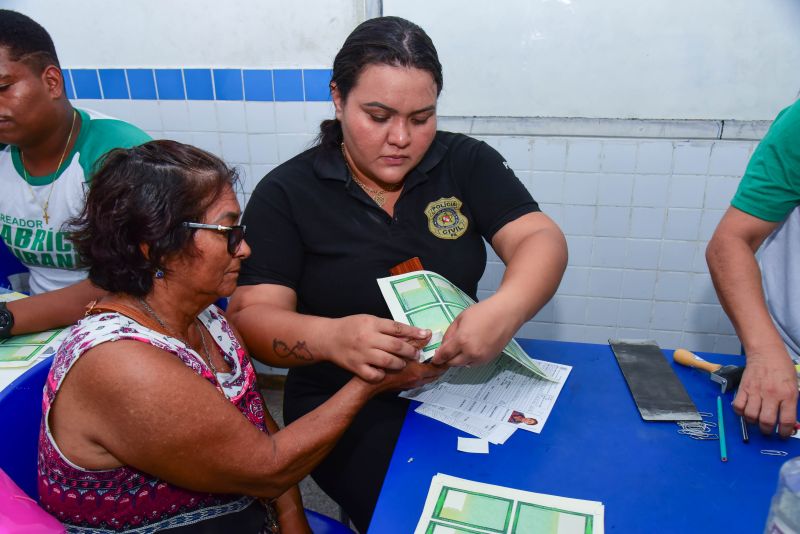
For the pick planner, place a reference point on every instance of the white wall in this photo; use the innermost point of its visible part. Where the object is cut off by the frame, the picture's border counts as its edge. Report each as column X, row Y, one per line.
column 195, row 33
column 652, row 59
column 637, row 215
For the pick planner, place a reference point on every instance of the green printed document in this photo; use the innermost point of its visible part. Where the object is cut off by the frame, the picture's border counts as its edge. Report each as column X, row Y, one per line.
column 428, row 300
column 24, row 350
column 459, row 506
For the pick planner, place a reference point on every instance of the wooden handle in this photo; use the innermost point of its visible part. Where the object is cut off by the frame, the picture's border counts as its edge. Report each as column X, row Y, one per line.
column 690, row 359
column 408, row 266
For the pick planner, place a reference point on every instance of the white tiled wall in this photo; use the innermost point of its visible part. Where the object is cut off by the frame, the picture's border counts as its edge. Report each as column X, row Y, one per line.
column 637, row 213
column 252, row 136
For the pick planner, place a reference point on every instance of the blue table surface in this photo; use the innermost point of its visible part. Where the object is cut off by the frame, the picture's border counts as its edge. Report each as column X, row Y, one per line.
column 595, row 446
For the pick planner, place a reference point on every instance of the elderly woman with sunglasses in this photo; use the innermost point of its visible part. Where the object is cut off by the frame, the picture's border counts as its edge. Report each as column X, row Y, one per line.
column 152, row 417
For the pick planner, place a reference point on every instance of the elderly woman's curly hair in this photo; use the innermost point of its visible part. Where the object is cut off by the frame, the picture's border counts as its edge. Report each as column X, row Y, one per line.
column 132, row 222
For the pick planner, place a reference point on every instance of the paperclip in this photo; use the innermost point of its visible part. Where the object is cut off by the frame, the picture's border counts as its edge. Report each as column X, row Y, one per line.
column 699, row 430
column 705, row 414
column 773, row 452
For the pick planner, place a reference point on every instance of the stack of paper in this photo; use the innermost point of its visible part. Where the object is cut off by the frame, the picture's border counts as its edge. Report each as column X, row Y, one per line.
column 490, row 401
column 456, row 506
column 27, row 349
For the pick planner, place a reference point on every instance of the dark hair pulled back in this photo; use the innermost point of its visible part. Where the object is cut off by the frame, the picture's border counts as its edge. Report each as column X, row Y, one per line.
column 380, row 41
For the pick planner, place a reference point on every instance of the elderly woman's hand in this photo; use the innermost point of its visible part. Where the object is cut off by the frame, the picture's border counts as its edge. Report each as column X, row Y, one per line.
column 413, row 375
column 369, row 346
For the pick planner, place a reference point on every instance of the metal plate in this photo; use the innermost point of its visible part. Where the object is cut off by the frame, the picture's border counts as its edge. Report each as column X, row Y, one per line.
column 656, row 389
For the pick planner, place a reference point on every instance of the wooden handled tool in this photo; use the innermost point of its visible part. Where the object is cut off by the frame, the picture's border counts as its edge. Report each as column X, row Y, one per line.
column 727, row 376
column 690, row 359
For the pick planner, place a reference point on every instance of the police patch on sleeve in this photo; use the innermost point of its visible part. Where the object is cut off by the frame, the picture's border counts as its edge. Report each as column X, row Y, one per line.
column 445, row 219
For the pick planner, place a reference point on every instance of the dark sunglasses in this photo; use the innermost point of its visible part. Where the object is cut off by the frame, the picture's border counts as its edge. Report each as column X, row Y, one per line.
column 235, row 233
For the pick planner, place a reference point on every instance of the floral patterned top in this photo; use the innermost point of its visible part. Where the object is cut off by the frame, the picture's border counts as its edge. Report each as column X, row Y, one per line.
column 125, row 499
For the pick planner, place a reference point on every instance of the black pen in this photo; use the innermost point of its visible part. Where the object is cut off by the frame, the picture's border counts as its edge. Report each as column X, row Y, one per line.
column 742, row 422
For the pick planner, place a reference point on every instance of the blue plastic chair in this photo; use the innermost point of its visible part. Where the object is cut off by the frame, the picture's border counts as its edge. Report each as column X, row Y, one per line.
column 9, row 264
column 20, row 416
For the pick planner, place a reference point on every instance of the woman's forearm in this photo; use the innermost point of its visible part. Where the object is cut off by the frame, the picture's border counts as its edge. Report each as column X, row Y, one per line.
column 54, row 309
column 532, row 274
column 297, row 449
column 289, row 506
column 280, row 337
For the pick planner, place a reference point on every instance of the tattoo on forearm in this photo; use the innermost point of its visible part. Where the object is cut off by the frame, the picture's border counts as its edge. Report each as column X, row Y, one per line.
column 299, row 350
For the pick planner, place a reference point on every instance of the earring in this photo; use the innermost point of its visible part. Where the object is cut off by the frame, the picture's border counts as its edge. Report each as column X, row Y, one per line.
column 159, row 273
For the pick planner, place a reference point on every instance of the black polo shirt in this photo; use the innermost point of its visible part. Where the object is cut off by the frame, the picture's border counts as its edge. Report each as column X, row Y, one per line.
column 313, row 229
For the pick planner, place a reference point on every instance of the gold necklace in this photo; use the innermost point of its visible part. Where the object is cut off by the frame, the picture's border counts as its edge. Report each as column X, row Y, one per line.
column 46, row 204
column 377, row 195
column 152, row 313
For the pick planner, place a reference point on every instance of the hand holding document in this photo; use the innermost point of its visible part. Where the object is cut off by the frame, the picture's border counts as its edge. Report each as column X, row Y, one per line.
column 456, row 505
column 428, row 300
column 489, row 401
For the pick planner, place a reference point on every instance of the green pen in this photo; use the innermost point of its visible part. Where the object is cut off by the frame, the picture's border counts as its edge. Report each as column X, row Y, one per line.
column 723, row 450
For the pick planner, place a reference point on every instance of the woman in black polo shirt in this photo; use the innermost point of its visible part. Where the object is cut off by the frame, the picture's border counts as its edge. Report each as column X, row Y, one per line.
column 382, row 186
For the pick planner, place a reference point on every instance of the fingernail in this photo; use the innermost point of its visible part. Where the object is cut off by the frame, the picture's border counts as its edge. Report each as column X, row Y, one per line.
column 419, row 353
column 424, row 333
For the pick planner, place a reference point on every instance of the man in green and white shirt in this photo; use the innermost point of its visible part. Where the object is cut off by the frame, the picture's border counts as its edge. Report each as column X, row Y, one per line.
column 47, row 152
column 37, row 236
column 761, row 295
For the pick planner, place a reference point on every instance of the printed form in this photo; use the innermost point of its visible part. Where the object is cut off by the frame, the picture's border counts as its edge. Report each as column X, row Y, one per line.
column 500, row 392
column 460, row 506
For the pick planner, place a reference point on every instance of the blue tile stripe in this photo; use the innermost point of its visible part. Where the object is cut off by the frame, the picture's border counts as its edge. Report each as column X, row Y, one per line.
column 87, row 83
column 198, row 84
column 259, row 85
column 114, row 83
column 68, row 84
column 228, row 84
column 169, row 83
column 142, row 83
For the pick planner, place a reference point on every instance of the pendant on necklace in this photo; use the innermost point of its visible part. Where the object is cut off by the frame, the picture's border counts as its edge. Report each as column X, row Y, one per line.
column 44, row 215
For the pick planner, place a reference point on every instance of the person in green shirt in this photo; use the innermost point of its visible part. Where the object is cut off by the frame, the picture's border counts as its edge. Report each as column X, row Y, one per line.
column 760, row 292
column 47, row 152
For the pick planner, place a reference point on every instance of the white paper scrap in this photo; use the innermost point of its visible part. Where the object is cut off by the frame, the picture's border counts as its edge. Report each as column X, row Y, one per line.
column 473, row 445
column 501, row 433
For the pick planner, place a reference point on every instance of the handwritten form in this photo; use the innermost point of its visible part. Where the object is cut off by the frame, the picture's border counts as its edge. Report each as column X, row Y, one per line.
column 500, row 392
